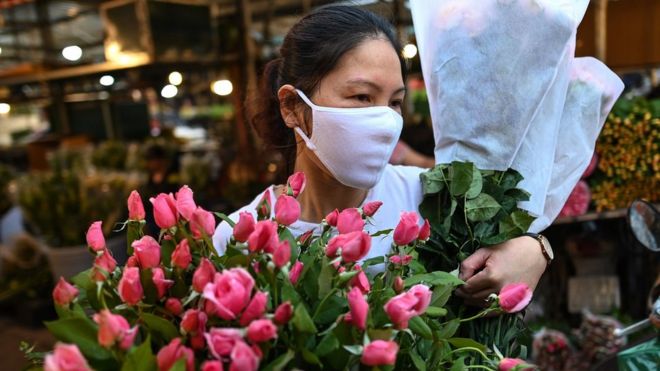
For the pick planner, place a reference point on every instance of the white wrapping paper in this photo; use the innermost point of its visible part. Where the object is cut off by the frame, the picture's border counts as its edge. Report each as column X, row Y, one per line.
column 497, row 75
column 592, row 92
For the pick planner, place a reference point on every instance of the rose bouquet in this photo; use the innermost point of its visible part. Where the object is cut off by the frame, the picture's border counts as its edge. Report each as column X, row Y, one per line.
column 271, row 302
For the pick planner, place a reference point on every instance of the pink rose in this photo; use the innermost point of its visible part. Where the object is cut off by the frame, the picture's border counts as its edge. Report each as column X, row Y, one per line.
column 354, row 246
column 193, row 322
column 349, row 220
column 173, row 305
column 370, row 208
column 578, row 201
column 507, row 364
column 130, row 288
column 331, row 218
column 185, row 204
column 114, row 329
column 174, row 351
column 297, row 183
column 95, row 239
column 398, row 284
column 66, row 357
column 264, row 237
column 263, row 208
column 359, row 308
column 132, row 261
column 255, row 308
column 64, row 293
column 243, row 358
column 396, row 259
column 229, row 292
column 202, row 223
column 380, row 353
column 361, row 282
column 287, row 210
column 221, row 341
column 135, row 207
column 407, row 230
column 244, row 227
column 162, row 284
column 203, row 275
column 282, row 254
column 147, row 251
column 514, row 297
column 283, row 313
column 181, row 257
column 295, row 272
column 592, row 166
column 261, row 330
column 425, row 231
column 165, row 212
column 403, row 307
column 212, row 366
column 104, row 264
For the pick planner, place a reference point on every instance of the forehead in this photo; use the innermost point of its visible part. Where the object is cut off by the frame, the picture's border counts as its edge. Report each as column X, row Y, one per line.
column 374, row 60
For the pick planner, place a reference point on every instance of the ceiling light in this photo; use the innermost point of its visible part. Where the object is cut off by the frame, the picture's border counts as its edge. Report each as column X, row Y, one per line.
column 410, row 51
column 4, row 108
column 175, row 78
column 107, row 80
column 169, row 91
column 222, row 87
column 72, row 53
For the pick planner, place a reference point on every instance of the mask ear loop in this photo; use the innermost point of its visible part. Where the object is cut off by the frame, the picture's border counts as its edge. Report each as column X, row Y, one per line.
column 308, row 142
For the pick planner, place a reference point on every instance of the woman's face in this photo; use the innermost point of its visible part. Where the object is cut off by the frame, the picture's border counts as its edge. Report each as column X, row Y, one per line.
column 369, row 75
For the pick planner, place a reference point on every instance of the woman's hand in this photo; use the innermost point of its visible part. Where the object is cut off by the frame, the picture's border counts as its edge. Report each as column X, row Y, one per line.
column 490, row 268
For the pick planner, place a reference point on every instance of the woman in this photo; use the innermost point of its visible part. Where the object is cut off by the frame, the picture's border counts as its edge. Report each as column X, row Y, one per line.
column 332, row 104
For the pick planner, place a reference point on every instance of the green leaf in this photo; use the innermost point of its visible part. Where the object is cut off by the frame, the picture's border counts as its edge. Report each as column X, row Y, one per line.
column 441, row 295
column 449, row 329
column 518, row 194
column 459, row 365
column 461, row 177
column 433, row 279
column 382, row 233
column 82, row 332
column 481, row 208
column 280, row 362
column 417, row 361
column 466, row 343
column 373, row 261
column 226, row 219
column 179, row 365
column 133, row 232
column 325, row 278
column 286, row 235
column 164, row 328
column 148, row 286
column 477, row 184
column 436, row 312
column 332, row 308
column 311, row 357
column 419, row 327
column 302, row 321
column 354, row 349
column 140, row 358
column 328, row 344
column 433, row 181
column 289, row 293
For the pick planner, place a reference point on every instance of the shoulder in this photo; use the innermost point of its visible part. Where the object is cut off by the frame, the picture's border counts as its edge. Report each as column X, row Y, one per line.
column 409, row 174
column 223, row 231
column 401, row 186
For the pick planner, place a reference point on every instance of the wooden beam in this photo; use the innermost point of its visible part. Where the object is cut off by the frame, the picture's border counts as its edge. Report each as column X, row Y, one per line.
column 601, row 29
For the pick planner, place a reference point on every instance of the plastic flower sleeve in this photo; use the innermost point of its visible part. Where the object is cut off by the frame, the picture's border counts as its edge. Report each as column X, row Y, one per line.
column 591, row 94
column 488, row 65
column 536, row 156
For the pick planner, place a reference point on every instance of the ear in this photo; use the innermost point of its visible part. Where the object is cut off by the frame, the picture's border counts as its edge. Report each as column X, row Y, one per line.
column 290, row 108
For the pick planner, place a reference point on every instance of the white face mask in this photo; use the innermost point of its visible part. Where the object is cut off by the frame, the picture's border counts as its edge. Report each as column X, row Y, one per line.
column 355, row 144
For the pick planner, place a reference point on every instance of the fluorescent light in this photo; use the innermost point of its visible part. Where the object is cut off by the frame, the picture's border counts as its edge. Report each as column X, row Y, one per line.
column 169, row 91
column 4, row 108
column 410, row 51
column 72, row 53
column 175, row 78
column 107, row 80
column 222, row 87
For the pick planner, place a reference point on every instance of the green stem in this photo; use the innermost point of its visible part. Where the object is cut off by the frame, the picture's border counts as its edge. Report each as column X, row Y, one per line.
column 470, row 349
column 467, row 225
column 478, row 315
column 477, row 367
column 316, row 312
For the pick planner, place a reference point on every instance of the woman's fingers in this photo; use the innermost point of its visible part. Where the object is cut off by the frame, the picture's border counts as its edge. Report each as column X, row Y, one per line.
column 474, row 263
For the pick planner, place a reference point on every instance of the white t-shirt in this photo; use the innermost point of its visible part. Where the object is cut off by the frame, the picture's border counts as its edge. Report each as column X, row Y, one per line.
column 400, row 189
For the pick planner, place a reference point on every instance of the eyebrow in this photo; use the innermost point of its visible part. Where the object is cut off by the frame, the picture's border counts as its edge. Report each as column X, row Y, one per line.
column 372, row 85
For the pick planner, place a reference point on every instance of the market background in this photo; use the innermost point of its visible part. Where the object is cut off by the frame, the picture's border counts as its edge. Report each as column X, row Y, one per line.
column 101, row 97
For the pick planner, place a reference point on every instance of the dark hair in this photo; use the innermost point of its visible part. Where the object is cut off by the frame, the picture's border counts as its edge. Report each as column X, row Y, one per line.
column 311, row 49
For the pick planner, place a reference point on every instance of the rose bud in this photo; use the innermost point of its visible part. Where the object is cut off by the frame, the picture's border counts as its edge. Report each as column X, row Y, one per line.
column 64, row 293
column 361, row 281
column 212, row 366
column 287, row 210
column 398, row 284
column 203, row 275
column 229, row 292
column 244, row 227
column 95, row 239
column 165, row 212
column 359, row 308
column 261, row 330
column 296, row 183
column 66, row 357
column 283, row 313
column 104, row 264
column 114, row 329
column 255, row 309
column 202, row 223
column 193, row 322
column 380, row 353
column 425, row 231
column 174, row 306
column 349, row 220
column 181, row 257
column 221, row 341
column 407, row 230
column 331, row 218
column 243, row 358
column 370, row 208
column 162, row 284
column 403, row 307
column 509, row 364
column 174, row 351
column 354, row 246
column 514, row 297
column 263, row 208
column 135, row 206
column 130, row 288
column 295, row 272
column 264, row 238
column 147, row 251
column 282, row 254
column 185, row 204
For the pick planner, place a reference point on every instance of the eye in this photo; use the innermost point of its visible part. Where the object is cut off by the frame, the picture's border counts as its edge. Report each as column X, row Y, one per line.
column 364, row 98
column 396, row 103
